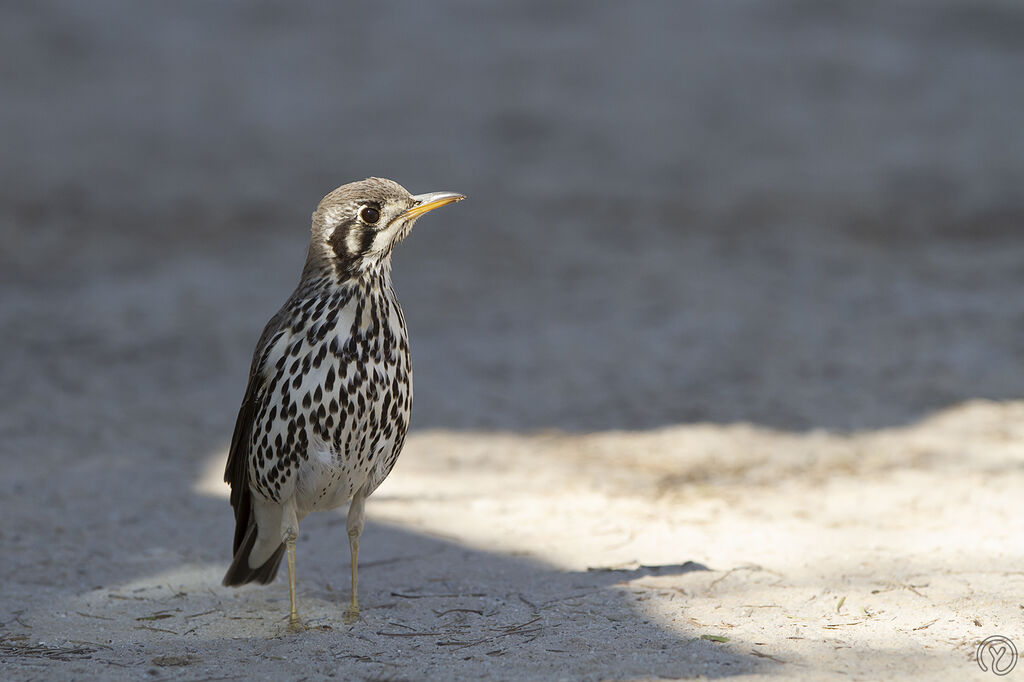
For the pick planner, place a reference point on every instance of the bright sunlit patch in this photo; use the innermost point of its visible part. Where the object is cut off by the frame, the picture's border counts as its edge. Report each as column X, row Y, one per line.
column 211, row 479
column 871, row 538
column 699, row 492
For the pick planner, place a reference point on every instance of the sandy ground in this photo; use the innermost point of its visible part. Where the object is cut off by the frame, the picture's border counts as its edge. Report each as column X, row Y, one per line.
column 718, row 370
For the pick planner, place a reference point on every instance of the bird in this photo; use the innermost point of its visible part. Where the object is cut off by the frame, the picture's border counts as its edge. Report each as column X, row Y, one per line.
column 327, row 405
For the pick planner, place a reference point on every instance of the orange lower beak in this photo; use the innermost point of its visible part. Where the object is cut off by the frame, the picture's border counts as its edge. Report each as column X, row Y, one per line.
column 428, row 202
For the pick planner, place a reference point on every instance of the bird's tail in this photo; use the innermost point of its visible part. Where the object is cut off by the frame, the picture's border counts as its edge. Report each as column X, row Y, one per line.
column 239, row 572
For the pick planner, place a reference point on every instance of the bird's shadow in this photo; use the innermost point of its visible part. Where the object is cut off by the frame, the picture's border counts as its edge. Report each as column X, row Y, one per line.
column 441, row 597
column 430, row 605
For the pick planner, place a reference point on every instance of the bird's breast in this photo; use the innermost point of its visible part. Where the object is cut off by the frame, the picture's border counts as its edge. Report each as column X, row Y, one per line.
column 337, row 406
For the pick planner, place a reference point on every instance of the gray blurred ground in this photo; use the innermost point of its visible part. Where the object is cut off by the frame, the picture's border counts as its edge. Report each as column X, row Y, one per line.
column 774, row 235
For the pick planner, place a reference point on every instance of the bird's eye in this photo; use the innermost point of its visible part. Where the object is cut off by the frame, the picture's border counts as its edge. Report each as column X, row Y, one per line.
column 370, row 215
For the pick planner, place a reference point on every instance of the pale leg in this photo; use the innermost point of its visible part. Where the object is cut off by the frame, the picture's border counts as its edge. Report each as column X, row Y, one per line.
column 290, row 534
column 355, row 529
column 293, row 618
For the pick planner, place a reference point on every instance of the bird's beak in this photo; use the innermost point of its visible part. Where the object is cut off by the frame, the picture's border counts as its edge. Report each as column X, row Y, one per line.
column 430, row 201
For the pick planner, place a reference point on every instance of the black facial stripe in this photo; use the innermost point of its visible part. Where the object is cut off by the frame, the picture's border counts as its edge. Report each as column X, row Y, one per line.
column 365, row 240
column 346, row 261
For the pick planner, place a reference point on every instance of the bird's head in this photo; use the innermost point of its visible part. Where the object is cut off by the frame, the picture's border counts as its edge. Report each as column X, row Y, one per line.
column 357, row 225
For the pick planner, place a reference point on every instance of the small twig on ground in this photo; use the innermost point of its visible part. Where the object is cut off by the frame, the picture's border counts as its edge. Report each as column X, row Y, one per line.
column 395, row 560
column 399, row 625
column 97, row 644
column 913, row 589
column 761, row 654
column 566, row 598
column 437, row 596
column 204, row 613
column 14, row 648
column 514, row 628
column 17, row 618
column 150, row 627
column 725, row 575
column 91, row 615
column 520, row 629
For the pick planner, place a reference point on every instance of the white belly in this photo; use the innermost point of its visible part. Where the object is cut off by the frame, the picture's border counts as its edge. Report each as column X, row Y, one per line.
column 323, row 484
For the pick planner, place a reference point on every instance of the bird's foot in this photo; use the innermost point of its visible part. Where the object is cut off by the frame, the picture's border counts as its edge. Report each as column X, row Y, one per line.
column 296, row 625
column 352, row 615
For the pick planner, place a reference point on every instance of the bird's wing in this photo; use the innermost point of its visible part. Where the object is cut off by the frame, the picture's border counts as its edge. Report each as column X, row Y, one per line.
column 236, row 473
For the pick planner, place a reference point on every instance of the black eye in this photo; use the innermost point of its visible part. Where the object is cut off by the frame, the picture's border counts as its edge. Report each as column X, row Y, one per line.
column 369, row 214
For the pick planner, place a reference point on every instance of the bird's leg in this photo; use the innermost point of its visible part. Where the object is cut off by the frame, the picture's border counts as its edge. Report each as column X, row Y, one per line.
column 352, row 615
column 290, row 534
column 355, row 529
column 293, row 618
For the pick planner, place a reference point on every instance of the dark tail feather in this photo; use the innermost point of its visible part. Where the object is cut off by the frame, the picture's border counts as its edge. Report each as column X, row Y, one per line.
column 236, row 474
column 239, row 572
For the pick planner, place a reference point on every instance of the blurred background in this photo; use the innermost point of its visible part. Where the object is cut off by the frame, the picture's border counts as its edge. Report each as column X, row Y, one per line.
column 757, row 238
column 795, row 214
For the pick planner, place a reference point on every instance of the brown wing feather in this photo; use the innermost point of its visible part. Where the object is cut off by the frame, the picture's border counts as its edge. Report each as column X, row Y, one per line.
column 236, row 473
